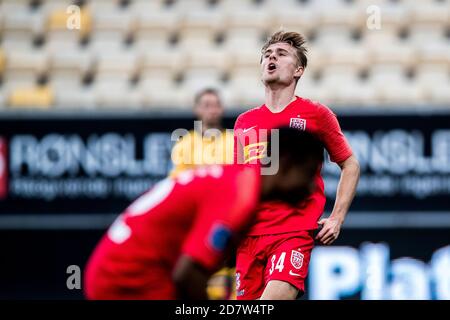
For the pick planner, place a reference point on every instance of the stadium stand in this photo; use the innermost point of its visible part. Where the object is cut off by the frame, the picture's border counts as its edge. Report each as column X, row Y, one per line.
column 157, row 54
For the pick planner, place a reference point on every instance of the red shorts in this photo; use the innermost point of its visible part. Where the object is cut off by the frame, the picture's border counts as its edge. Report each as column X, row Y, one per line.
column 261, row 259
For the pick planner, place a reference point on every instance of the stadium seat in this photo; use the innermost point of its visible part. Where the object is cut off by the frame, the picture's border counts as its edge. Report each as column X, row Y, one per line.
column 113, row 80
column 20, row 28
column 116, row 94
column 246, row 29
column 24, row 67
column 296, row 18
column 393, row 18
column 47, row 7
column 103, row 6
column 31, row 97
column 244, row 73
column 155, row 30
column 353, row 56
column 230, row 7
column 438, row 52
column 2, row 61
column 429, row 12
column 8, row 7
column 440, row 94
column 334, row 36
column 307, row 86
column 69, row 67
column 335, row 79
column 392, row 86
column 337, row 13
column 186, row 7
column 434, row 78
column 196, row 79
column 144, row 6
column 60, row 37
column 429, row 28
column 399, row 54
column 199, row 29
column 317, row 58
column 172, row 62
column 2, row 98
column 157, row 87
column 110, row 30
column 75, row 96
column 205, row 68
column 245, row 84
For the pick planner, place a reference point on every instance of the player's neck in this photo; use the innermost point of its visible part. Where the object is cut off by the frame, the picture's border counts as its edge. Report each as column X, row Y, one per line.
column 277, row 99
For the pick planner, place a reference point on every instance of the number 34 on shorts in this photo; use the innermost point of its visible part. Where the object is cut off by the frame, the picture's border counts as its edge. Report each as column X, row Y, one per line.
column 278, row 263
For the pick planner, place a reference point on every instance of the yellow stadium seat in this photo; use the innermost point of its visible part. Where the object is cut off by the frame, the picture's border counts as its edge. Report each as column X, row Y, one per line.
column 2, row 61
column 34, row 97
column 59, row 20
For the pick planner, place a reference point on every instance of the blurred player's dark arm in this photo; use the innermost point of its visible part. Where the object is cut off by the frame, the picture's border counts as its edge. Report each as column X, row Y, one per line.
column 190, row 279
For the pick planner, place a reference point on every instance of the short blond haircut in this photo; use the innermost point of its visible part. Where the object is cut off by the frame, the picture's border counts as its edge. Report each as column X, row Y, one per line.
column 295, row 39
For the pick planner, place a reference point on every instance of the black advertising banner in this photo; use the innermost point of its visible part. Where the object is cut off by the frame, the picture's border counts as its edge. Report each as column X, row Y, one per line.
column 61, row 164
column 363, row 264
column 405, row 162
column 95, row 165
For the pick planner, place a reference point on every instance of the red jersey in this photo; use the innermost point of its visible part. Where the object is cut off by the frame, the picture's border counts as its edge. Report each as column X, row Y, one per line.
column 277, row 217
column 194, row 214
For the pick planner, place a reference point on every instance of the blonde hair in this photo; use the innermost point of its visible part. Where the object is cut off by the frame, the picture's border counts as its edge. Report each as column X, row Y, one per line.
column 295, row 39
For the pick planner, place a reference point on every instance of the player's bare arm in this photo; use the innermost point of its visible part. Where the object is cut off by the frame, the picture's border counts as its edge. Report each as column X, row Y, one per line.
column 190, row 279
column 345, row 193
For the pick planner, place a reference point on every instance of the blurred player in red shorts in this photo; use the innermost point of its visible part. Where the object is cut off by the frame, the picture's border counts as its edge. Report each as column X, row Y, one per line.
column 167, row 243
column 272, row 262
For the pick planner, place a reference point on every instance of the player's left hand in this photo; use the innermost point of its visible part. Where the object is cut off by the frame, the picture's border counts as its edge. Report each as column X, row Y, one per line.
column 330, row 230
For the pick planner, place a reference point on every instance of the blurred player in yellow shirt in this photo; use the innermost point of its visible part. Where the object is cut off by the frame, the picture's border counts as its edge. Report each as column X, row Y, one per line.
column 208, row 143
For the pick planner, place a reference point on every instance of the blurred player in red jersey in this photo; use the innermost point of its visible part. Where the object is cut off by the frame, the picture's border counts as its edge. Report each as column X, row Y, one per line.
column 167, row 243
column 272, row 261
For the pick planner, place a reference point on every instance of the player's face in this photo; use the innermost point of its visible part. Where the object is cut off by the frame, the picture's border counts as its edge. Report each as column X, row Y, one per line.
column 209, row 109
column 279, row 64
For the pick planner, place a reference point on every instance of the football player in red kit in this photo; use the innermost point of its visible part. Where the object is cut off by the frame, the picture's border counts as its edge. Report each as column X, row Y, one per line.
column 272, row 261
column 167, row 243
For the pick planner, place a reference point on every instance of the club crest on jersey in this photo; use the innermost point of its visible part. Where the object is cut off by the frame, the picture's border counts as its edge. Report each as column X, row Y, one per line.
column 296, row 259
column 298, row 123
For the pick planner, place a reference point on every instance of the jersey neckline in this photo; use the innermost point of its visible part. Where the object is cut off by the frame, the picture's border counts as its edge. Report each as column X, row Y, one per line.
column 297, row 98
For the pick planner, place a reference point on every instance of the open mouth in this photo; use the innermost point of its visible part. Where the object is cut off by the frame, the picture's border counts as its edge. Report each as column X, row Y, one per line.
column 271, row 66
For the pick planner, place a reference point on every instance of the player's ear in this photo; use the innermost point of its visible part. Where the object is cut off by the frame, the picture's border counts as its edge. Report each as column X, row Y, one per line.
column 299, row 72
